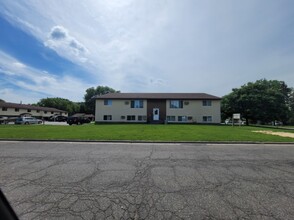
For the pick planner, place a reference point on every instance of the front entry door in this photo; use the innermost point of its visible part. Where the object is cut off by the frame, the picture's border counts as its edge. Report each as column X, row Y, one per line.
column 155, row 114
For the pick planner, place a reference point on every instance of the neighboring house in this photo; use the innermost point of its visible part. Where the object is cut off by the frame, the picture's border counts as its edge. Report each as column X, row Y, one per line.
column 158, row 108
column 8, row 109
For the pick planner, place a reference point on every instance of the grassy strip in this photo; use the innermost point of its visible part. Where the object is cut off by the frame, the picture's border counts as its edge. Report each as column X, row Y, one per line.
column 141, row 132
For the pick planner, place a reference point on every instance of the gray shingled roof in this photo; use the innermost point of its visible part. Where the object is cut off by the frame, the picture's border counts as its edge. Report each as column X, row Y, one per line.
column 32, row 107
column 187, row 96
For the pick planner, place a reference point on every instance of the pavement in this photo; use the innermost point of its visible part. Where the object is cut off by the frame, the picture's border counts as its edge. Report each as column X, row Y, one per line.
column 70, row 180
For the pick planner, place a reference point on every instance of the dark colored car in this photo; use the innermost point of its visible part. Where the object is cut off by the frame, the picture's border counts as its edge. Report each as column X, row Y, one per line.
column 58, row 118
column 78, row 120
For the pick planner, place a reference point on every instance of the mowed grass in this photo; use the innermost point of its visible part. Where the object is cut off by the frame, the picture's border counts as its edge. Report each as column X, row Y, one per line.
column 139, row 132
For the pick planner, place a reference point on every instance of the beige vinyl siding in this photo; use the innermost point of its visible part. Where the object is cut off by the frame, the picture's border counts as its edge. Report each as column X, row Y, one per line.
column 119, row 111
column 196, row 110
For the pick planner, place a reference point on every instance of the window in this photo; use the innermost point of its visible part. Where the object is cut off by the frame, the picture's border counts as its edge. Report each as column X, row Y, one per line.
column 107, row 102
column 45, row 112
column 123, row 117
column 207, row 118
column 137, row 104
column 171, row 118
column 176, row 104
column 107, row 117
column 4, row 109
column 131, row 117
column 142, row 118
column 38, row 111
column 17, row 109
column 206, row 102
column 29, row 110
column 52, row 113
column 182, row 118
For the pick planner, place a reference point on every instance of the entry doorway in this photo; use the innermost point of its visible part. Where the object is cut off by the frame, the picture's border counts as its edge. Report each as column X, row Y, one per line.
column 155, row 114
column 156, row 111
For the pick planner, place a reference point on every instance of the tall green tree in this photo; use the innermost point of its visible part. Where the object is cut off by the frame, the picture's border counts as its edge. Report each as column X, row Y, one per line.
column 263, row 100
column 291, row 107
column 91, row 92
column 60, row 103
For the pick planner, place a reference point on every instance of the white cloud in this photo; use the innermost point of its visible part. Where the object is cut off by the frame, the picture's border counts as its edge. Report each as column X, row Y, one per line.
column 37, row 82
column 60, row 41
column 17, row 96
column 171, row 46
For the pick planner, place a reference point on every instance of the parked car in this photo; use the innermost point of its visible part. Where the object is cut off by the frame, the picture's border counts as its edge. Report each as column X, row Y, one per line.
column 277, row 123
column 3, row 120
column 58, row 118
column 27, row 121
column 236, row 122
column 7, row 120
column 78, row 120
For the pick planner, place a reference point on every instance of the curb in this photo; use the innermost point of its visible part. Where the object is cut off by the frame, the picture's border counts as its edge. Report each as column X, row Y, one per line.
column 147, row 142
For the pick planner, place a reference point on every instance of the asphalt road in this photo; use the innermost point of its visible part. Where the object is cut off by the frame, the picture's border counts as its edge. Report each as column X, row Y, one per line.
column 148, row 181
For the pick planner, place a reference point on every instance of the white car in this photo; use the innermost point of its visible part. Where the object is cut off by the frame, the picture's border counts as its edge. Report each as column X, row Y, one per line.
column 27, row 121
column 229, row 122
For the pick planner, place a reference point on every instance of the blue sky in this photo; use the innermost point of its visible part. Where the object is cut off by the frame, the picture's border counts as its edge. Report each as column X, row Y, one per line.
column 60, row 48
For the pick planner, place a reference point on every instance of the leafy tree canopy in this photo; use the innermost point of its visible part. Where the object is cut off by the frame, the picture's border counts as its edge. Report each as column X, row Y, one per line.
column 263, row 100
column 60, row 103
column 91, row 92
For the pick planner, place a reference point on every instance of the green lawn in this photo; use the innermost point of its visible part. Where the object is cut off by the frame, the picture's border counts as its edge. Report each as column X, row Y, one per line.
column 141, row 132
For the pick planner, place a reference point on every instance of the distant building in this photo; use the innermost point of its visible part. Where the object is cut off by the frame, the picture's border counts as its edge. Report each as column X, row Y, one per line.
column 158, row 108
column 8, row 109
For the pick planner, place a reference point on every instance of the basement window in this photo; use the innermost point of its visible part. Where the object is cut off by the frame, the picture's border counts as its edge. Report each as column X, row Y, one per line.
column 107, row 117
column 182, row 118
column 171, row 118
column 142, row 118
column 131, row 118
column 207, row 118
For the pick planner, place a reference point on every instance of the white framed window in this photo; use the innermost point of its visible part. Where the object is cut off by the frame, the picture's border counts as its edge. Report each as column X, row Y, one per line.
column 107, row 102
column 137, row 104
column 176, row 104
column 206, row 102
column 107, row 117
column 207, row 118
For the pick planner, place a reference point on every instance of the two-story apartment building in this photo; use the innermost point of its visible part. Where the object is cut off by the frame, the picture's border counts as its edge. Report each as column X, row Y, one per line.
column 158, row 108
column 8, row 109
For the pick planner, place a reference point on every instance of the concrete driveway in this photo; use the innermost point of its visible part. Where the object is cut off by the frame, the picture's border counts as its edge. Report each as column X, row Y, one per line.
column 148, row 181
